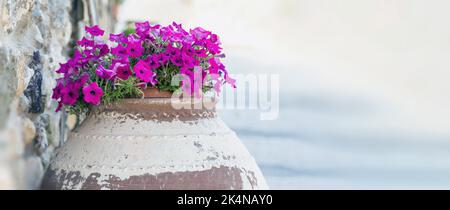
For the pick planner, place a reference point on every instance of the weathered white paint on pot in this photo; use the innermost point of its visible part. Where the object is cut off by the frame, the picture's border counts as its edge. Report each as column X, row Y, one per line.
column 144, row 144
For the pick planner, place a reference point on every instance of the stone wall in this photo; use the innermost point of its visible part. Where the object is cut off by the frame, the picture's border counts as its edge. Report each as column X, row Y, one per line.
column 35, row 36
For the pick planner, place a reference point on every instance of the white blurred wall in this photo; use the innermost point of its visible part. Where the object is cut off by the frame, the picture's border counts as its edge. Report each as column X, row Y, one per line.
column 375, row 70
column 396, row 51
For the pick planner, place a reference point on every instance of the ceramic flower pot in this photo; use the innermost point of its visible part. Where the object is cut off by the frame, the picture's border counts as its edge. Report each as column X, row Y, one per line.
column 146, row 144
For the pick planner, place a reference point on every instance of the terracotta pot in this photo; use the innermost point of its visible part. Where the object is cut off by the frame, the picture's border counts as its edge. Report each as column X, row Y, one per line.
column 146, row 144
column 156, row 93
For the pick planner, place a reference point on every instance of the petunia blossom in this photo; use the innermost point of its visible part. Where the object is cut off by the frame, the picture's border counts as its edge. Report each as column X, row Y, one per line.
column 60, row 106
column 118, row 38
column 123, row 71
column 200, row 33
column 102, row 50
column 153, row 62
column 192, row 81
column 143, row 29
column 64, row 68
column 81, row 81
column 104, row 73
column 94, row 30
column 70, row 95
column 93, row 94
column 144, row 73
column 57, row 91
column 120, row 51
column 86, row 42
column 135, row 49
column 188, row 61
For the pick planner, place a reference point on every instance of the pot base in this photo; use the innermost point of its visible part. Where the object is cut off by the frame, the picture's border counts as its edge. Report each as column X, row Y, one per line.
column 122, row 151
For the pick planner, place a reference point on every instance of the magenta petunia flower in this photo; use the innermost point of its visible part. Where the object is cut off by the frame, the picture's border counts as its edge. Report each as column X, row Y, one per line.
column 200, row 53
column 135, row 49
column 81, row 81
column 164, row 58
column 120, row 51
column 213, row 48
column 143, row 72
column 188, row 50
column 200, row 33
column 189, row 61
column 118, row 38
column 153, row 62
column 104, row 73
column 123, row 71
column 218, row 82
column 177, row 61
column 102, row 50
column 155, row 29
column 70, row 95
column 177, row 26
column 64, row 68
column 94, row 31
column 214, row 66
column 86, row 42
column 60, row 106
column 92, row 94
column 143, row 29
column 192, row 81
column 172, row 52
column 57, row 91
column 230, row 81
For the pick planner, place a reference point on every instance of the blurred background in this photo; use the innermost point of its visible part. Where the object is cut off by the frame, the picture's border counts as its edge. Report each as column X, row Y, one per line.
column 364, row 99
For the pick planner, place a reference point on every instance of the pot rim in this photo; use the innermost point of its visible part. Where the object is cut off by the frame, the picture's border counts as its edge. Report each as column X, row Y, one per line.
column 161, row 109
column 152, row 92
column 205, row 103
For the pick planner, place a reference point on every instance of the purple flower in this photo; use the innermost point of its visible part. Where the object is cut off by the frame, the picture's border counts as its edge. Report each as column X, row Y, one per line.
column 177, row 61
column 60, row 106
column 92, row 94
column 80, row 82
column 214, row 66
column 94, row 30
column 218, row 82
column 134, row 48
column 188, row 61
column 179, row 27
column 188, row 50
column 57, row 91
column 200, row 33
column 144, row 73
column 192, row 81
column 64, row 68
column 200, row 53
column 86, row 42
column 123, row 71
column 118, row 38
column 120, row 51
column 153, row 62
column 102, row 49
column 161, row 58
column 143, row 29
column 70, row 95
column 155, row 29
column 164, row 59
column 230, row 81
column 172, row 52
column 213, row 48
column 105, row 73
